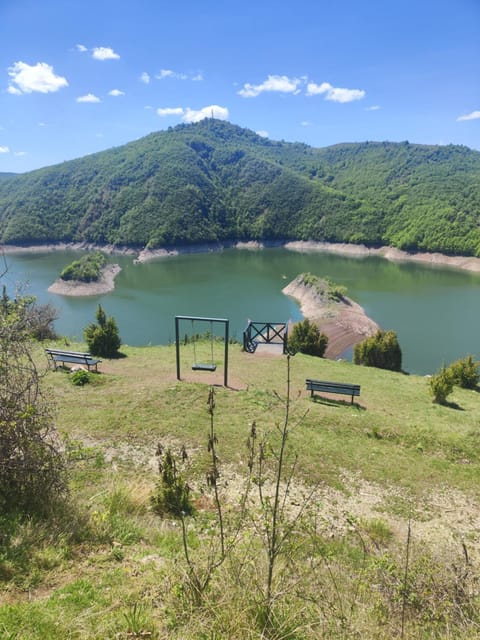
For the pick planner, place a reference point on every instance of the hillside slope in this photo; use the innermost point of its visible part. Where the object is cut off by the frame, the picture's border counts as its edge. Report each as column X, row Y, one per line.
column 213, row 181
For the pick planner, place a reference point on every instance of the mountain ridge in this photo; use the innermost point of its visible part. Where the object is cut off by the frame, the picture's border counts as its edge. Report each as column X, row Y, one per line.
column 213, row 181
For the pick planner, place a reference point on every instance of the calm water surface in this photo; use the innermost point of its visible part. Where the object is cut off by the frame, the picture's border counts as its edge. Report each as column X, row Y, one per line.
column 434, row 310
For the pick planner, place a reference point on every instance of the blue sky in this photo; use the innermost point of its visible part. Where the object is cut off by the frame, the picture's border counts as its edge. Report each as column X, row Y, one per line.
column 80, row 76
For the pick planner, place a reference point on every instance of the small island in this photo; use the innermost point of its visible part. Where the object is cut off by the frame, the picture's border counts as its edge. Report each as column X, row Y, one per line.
column 88, row 276
column 342, row 320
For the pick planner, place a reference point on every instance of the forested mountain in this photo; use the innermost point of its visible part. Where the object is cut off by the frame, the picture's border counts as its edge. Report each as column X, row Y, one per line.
column 213, row 181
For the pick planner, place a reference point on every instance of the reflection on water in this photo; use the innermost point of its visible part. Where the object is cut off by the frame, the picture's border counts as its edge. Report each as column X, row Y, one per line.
column 433, row 310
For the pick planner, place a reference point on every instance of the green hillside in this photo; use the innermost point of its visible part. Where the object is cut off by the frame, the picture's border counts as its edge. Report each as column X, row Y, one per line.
column 213, row 181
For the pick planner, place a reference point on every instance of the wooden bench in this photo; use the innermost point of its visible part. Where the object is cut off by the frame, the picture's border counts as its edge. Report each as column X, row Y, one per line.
column 342, row 388
column 60, row 356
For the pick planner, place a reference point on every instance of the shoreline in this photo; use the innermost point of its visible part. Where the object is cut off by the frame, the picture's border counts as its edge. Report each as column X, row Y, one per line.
column 465, row 263
column 104, row 284
column 345, row 322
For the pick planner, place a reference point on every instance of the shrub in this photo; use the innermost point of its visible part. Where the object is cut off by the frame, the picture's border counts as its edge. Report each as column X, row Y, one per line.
column 80, row 378
column 172, row 494
column 306, row 338
column 103, row 338
column 381, row 350
column 464, row 373
column 441, row 385
column 87, row 269
column 32, row 468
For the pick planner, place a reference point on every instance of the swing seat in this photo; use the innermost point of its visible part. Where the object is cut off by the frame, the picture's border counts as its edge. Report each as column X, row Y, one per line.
column 201, row 366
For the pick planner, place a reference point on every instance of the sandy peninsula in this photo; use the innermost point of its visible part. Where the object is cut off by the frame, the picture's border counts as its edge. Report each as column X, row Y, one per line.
column 104, row 284
column 343, row 321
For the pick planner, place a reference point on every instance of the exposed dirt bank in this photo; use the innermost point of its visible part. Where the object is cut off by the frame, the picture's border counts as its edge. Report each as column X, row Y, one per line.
column 467, row 263
column 105, row 284
column 343, row 321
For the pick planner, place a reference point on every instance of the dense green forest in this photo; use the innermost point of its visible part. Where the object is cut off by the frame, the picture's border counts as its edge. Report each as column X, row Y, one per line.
column 213, row 181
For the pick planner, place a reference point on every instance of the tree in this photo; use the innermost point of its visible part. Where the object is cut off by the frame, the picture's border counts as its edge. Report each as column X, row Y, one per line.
column 441, row 385
column 32, row 470
column 307, row 338
column 464, row 372
column 381, row 350
column 103, row 338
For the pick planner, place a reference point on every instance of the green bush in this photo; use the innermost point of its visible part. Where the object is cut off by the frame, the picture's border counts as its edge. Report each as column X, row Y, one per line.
column 172, row 494
column 307, row 338
column 441, row 385
column 103, row 338
column 464, row 373
column 381, row 350
column 87, row 269
column 80, row 378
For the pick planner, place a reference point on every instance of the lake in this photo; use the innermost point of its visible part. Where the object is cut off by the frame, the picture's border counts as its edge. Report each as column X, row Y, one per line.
column 434, row 310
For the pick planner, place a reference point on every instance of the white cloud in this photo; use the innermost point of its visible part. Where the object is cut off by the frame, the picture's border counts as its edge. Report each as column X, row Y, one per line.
column 169, row 73
column 374, row 107
column 40, row 77
column 212, row 111
column 82, row 48
column 334, row 94
column 116, row 92
column 104, row 53
column 19, row 154
column 4, row 150
column 88, row 98
column 281, row 84
column 195, row 115
column 145, row 78
column 165, row 73
column 170, row 111
column 262, row 133
column 475, row 115
column 314, row 89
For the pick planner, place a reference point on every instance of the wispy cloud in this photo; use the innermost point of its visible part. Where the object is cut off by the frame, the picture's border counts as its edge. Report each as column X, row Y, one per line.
column 116, row 92
column 169, row 73
column 19, row 154
column 262, row 133
column 104, row 53
column 195, row 115
column 41, row 78
column 374, row 107
column 475, row 115
column 80, row 47
column 145, row 78
column 334, row 94
column 4, row 150
column 212, row 111
column 279, row 84
column 170, row 111
column 89, row 97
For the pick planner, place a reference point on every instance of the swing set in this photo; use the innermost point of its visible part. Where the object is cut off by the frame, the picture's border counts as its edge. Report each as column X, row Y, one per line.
column 202, row 366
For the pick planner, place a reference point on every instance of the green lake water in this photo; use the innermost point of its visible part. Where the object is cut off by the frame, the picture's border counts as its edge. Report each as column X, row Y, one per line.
column 434, row 310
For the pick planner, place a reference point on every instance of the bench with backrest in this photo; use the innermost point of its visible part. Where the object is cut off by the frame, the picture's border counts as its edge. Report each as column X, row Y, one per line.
column 343, row 388
column 60, row 357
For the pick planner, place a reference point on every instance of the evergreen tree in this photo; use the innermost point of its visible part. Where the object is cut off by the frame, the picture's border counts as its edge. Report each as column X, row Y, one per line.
column 102, row 337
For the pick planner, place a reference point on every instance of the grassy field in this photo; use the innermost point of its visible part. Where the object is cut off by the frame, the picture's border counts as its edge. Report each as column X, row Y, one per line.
column 380, row 519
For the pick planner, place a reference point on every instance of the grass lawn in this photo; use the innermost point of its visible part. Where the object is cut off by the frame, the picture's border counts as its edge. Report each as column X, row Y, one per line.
column 391, row 463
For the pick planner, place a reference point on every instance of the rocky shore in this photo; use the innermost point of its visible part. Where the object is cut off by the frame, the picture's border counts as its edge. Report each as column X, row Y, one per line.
column 104, row 284
column 468, row 263
column 342, row 320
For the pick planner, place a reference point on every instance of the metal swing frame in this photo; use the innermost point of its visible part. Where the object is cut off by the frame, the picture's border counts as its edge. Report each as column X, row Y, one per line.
column 197, row 366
